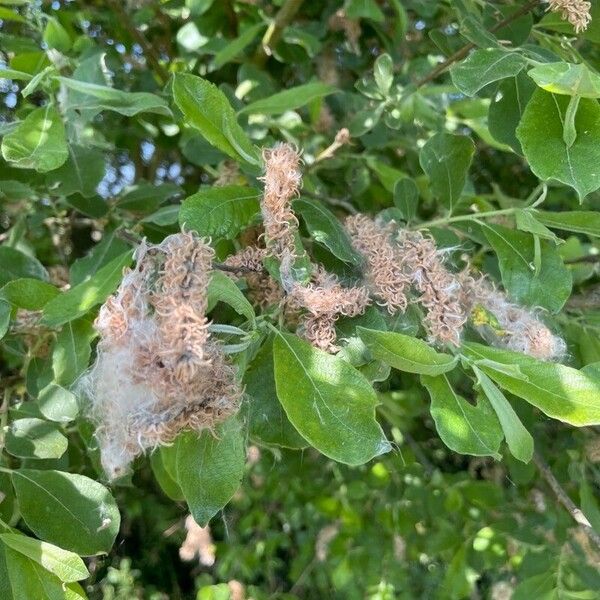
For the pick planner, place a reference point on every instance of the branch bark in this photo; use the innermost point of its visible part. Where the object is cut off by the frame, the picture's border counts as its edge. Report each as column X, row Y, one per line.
column 149, row 51
column 565, row 500
column 462, row 52
column 273, row 34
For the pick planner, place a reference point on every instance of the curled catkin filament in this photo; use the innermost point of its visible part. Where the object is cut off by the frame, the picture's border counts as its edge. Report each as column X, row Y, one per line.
column 576, row 12
column 282, row 180
column 517, row 328
column 438, row 288
column 324, row 299
column 384, row 271
column 157, row 371
column 263, row 290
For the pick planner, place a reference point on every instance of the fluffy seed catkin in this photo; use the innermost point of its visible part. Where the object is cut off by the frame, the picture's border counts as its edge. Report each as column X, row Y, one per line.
column 516, row 329
column 157, row 371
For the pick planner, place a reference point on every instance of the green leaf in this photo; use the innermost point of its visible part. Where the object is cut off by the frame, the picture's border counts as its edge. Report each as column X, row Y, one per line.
column 77, row 301
column 406, row 353
column 71, row 351
column 559, row 391
column 101, row 97
column 507, row 108
column 81, row 174
column 526, row 221
column 35, row 438
column 406, row 198
column 14, row 74
column 168, row 485
column 578, row 221
column 57, row 404
column 205, row 107
column 326, row 229
column 56, row 36
column 541, row 135
column 38, row 142
column 101, row 254
column 383, row 71
column 446, row 159
column 516, row 256
column 220, row 212
column 364, row 9
column 17, row 265
column 67, row 566
column 328, row 401
column 5, row 311
column 30, row 580
column 210, row 467
column 482, row 67
column 464, row 428
column 66, row 509
column 222, row 289
column 290, row 99
column 267, row 420
column 31, row 294
column 235, row 47
column 519, row 440
column 568, row 79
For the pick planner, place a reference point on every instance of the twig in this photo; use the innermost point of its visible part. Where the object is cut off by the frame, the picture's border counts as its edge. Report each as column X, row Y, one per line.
column 592, row 258
column 462, row 52
column 565, row 500
column 151, row 55
column 273, row 34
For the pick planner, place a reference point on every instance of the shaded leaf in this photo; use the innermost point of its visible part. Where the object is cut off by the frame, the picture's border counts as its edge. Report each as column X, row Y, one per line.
column 35, row 438
column 541, row 135
column 210, row 467
column 516, row 257
column 206, row 108
column 38, row 142
column 222, row 212
column 325, row 228
column 290, row 99
column 484, row 66
column 446, row 159
column 77, row 301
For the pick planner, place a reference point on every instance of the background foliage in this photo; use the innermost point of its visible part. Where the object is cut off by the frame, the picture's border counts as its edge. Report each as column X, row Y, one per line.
column 112, row 130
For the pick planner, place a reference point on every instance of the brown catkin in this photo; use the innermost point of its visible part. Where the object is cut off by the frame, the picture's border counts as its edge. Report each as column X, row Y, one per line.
column 384, row 272
column 323, row 301
column 282, row 181
column 576, row 12
column 157, row 371
column 439, row 289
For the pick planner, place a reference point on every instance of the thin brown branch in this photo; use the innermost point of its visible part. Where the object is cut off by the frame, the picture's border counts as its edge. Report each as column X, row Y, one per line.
column 149, row 51
column 462, row 52
column 565, row 500
column 273, row 34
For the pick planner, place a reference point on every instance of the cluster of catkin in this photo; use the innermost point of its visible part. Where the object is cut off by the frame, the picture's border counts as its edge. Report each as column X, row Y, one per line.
column 157, row 371
column 399, row 266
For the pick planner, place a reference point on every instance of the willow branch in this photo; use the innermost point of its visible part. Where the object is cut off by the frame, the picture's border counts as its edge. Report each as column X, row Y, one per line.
column 273, row 34
column 149, row 51
column 462, row 52
column 565, row 500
